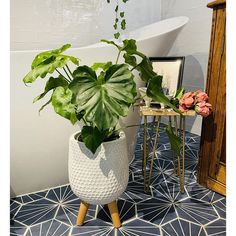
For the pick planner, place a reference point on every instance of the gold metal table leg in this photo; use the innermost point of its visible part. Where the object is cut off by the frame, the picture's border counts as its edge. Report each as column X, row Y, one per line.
column 183, row 155
column 177, row 133
column 154, row 149
column 145, row 151
column 150, row 136
column 173, row 154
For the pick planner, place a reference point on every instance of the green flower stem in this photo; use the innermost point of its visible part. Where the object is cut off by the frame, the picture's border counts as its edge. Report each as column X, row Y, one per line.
column 67, row 74
column 62, row 75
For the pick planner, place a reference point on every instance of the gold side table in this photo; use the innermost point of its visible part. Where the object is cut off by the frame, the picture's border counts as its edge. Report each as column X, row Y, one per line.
column 179, row 131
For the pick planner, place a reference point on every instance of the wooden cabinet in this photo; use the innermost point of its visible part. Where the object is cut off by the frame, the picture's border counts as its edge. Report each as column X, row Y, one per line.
column 212, row 157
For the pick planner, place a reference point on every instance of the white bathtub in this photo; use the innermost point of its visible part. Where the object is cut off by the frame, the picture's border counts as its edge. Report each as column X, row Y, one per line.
column 39, row 144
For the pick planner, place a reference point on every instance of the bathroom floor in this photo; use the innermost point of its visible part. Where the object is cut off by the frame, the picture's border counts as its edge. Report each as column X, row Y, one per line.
column 164, row 211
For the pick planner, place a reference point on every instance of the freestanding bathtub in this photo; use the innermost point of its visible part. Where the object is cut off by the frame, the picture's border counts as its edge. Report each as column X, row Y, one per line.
column 39, row 144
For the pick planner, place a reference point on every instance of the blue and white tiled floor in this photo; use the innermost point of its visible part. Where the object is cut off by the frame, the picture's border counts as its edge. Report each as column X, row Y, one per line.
column 164, row 211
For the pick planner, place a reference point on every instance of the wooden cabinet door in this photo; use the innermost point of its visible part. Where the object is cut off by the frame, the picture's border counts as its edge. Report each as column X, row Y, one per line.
column 212, row 159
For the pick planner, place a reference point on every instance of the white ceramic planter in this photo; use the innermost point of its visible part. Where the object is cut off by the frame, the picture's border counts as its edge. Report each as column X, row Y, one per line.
column 102, row 177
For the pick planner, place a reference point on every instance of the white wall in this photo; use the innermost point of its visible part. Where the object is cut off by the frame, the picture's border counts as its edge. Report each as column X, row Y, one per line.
column 42, row 24
column 39, row 144
column 193, row 43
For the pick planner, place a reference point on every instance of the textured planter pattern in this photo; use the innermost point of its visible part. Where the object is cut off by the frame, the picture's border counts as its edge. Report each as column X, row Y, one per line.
column 102, row 177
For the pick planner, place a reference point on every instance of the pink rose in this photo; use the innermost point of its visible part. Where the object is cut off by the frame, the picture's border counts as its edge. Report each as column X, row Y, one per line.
column 187, row 100
column 183, row 108
column 201, row 96
column 203, row 108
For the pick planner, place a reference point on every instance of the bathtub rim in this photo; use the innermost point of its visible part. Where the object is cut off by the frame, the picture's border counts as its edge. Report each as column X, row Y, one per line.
column 101, row 44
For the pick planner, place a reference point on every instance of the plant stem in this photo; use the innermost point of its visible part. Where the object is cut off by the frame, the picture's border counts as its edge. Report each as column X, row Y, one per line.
column 69, row 70
column 67, row 74
column 62, row 75
column 117, row 59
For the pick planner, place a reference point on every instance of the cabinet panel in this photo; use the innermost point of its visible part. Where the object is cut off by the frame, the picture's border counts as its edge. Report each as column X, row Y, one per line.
column 212, row 158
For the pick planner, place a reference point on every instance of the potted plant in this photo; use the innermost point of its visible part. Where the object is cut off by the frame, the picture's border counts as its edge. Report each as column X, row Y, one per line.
column 97, row 96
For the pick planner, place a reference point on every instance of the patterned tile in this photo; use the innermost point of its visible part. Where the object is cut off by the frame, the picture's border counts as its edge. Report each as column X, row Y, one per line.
column 68, row 204
column 162, row 211
column 14, row 207
column 126, row 209
column 94, row 227
column 196, row 211
column 51, row 227
column 181, row 227
column 138, row 227
column 156, row 210
column 220, row 207
column 216, row 228
column 16, row 228
column 30, row 197
column 199, row 192
column 36, row 212
column 135, row 192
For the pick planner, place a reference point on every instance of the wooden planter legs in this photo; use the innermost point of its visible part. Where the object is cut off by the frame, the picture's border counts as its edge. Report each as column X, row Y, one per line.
column 112, row 208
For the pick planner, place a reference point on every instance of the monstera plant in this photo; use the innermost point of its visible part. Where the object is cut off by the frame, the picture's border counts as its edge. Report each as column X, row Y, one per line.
column 98, row 95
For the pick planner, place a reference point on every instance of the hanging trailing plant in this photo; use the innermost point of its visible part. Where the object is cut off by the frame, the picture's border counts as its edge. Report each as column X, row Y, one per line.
column 120, row 22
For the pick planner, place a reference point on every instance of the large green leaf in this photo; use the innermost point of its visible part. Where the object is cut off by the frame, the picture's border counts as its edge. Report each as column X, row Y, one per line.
column 48, row 62
column 52, row 83
column 101, row 65
column 146, row 70
column 175, row 141
column 106, row 99
column 61, row 101
column 154, row 90
column 41, row 57
column 92, row 137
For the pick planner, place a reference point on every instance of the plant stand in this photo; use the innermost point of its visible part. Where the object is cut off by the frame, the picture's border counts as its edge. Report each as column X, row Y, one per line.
column 112, row 208
column 179, row 131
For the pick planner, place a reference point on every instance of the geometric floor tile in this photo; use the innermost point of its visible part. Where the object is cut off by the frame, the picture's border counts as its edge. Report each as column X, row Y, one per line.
column 68, row 212
column 94, row 227
column 217, row 228
column 14, row 207
column 17, row 229
column 68, row 205
column 196, row 211
column 199, row 192
column 36, row 212
column 135, row 192
column 220, row 207
column 162, row 211
column 30, row 197
column 138, row 227
column 169, row 192
column 156, row 210
column 61, row 194
column 51, row 227
column 126, row 209
column 181, row 227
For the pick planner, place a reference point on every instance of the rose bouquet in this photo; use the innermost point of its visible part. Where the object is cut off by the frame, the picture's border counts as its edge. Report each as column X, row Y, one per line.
column 198, row 101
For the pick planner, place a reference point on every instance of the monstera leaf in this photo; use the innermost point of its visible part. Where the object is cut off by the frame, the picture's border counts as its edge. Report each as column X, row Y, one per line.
column 154, row 90
column 52, row 83
column 48, row 62
column 105, row 98
column 92, row 137
column 61, row 101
